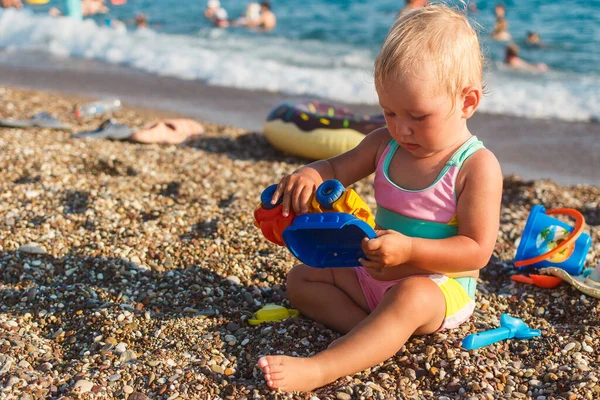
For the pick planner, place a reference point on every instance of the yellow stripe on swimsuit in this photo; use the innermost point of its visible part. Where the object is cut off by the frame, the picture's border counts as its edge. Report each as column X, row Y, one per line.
column 459, row 306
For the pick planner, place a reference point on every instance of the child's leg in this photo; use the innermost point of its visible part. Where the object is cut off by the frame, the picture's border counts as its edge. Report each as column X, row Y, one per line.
column 331, row 296
column 415, row 305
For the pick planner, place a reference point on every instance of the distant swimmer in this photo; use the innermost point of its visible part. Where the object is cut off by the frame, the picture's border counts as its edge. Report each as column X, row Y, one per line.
column 141, row 21
column 88, row 8
column 512, row 59
column 220, row 19
column 412, row 5
column 266, row 20
column 250, row 17
column 11, row 4
column 93, row 7
column 211, row 8
column 533, row 39
column 500, row 32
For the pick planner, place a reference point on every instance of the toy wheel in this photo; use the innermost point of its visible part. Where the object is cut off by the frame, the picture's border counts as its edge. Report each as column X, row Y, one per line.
column 329, row 192
column 267, row 195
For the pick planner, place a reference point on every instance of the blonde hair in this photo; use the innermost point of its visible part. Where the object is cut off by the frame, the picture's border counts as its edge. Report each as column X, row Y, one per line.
column 436, row 35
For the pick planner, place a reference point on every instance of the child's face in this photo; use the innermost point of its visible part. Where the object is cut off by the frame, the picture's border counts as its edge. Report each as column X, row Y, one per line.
column 420, row 118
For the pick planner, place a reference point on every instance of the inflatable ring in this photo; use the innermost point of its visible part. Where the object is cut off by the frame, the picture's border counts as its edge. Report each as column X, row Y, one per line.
column 317, row 130
column 37, row 1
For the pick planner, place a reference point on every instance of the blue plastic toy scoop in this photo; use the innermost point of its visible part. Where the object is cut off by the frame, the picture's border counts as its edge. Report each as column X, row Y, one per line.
column 326, row 240
column 510, row 327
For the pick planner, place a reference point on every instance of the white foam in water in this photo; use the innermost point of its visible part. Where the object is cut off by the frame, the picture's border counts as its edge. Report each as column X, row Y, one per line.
column 335, row 71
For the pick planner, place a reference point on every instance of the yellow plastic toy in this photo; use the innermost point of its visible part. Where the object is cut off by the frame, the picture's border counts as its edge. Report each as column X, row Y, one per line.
column 37, row 1
column 342, row 200
column 273, row 313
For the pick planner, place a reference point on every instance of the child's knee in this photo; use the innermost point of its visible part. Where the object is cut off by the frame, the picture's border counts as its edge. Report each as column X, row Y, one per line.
column 302, row 275
column 417, row 291
column 296, row 280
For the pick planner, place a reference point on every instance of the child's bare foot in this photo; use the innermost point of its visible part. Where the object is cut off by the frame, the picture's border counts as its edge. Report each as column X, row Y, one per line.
column 291, row 373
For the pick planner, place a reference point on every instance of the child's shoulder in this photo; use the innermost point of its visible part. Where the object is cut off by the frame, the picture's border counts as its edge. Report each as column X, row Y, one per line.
column 378, row 140
column 482, row 165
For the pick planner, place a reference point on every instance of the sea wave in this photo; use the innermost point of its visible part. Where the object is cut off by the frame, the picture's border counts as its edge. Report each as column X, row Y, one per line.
column 335, row 71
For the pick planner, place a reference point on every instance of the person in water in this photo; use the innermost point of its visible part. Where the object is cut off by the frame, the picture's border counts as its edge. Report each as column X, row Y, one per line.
column 438, row 192
column 11, row 4
column 533, row 39
column 88, row 8
column 266, row 21
column 250, row 17
column 412, row 5
column 512, row 59
column 220, row 19
column 500, row 32
column 211, row 8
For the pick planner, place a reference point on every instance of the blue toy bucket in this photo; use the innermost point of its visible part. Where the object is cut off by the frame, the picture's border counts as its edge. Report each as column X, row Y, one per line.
column 549, row 242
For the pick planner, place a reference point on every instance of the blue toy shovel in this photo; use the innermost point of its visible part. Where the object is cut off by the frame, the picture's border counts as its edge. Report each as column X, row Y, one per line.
column 510, row 327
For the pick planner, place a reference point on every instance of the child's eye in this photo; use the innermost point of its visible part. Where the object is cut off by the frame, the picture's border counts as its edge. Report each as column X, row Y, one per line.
column 389, row 113
column 419, row 118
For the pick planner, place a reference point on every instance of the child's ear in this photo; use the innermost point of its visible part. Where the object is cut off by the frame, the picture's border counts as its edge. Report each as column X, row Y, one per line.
column 471, row 96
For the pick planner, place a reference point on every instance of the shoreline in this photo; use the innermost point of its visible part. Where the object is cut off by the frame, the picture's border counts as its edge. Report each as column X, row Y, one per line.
column 566, row 152
column 130, row 271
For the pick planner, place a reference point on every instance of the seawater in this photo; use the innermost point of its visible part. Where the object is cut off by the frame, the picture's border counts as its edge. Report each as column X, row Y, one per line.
column 325, row 48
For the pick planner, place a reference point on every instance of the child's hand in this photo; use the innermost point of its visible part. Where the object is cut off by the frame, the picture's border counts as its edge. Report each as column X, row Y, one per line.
column 388, row 249
column 296, row 189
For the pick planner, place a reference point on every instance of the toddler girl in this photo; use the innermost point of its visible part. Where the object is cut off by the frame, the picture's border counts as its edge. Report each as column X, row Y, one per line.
column 438, row 193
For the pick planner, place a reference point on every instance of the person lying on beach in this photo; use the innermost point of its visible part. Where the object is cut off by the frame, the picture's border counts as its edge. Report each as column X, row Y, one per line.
column 412, row 5
column 266, row 20
column 512, row 59
column 429, row 170
column 11, row 4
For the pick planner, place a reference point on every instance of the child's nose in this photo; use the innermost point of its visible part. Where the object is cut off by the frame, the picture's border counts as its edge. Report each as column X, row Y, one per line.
column 403, row 129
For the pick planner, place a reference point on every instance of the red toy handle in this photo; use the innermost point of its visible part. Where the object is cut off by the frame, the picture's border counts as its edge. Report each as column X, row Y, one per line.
column 570, row 240
column 272, row 223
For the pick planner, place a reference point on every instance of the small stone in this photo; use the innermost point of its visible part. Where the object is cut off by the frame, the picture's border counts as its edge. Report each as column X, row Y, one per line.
column 127, row 356
column 120, row 348
column 232, row 327
column 31, row 248
column 138, row 396
column 550, row 377
column 342, row 396
column 83, row 385
column 218, row 369
column 570, row 346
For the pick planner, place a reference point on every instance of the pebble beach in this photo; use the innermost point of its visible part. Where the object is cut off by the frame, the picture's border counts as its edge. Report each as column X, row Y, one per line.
column 129, row 271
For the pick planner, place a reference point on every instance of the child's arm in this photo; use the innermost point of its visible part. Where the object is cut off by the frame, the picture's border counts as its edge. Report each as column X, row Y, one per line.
column 478, row 213
column 348, row 168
